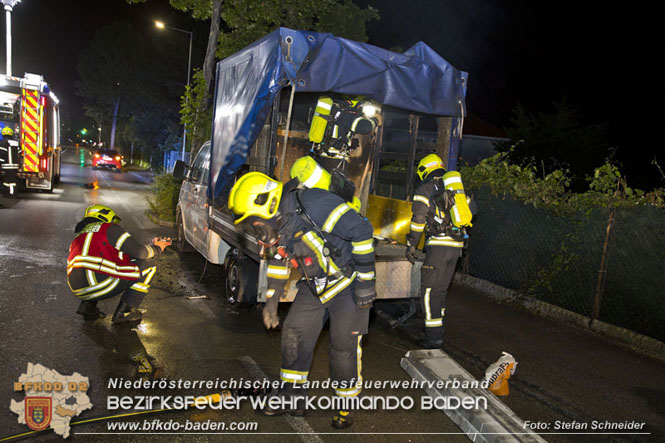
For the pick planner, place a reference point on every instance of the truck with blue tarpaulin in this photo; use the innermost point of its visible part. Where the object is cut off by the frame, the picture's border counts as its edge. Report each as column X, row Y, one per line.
column 264, row 102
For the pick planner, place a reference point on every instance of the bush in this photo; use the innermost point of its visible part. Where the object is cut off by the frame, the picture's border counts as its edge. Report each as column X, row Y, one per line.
column 164, row 198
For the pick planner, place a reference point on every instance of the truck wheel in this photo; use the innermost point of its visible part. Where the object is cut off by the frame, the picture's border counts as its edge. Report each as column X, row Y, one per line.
column 183, row 244
column 242, row 275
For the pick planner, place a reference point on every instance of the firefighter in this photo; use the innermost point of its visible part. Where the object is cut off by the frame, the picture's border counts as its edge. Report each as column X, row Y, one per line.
column 335, row 122
column 437, row 203
column 310, row 174
column 332, row 247
column 8, row 161
column 105, row 261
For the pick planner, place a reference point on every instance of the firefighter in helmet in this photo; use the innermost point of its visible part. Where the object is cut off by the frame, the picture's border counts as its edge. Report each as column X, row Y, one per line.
column 332, row 247
column 440, row 209
column 310, row 174
column 106, row 261
column 8, row 161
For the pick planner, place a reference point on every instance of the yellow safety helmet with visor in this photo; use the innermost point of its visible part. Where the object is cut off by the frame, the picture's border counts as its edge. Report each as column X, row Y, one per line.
column 102, row 213
column 255, row 194
column 428, row 164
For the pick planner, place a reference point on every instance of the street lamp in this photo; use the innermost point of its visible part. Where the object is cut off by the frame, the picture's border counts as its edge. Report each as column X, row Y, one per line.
column 161, row 25
column 9, row 5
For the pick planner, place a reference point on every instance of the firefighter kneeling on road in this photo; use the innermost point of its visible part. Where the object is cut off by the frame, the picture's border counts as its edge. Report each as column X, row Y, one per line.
column 441, row 205
column 332, row 246
column 105, row 261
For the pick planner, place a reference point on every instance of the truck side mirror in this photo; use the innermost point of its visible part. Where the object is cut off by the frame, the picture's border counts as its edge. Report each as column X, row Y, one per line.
column 180, row 169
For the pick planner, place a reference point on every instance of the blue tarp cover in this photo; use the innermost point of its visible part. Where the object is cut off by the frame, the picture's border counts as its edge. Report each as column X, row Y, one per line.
column 419, row 80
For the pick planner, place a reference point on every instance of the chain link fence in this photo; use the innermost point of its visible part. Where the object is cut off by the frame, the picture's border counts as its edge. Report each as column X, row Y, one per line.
column 559, row 259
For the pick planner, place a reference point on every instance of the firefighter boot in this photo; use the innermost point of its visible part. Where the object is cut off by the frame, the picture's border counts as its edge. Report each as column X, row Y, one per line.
column 125, row 313
column 288, row 404
column 342, row 420
column 89, row 310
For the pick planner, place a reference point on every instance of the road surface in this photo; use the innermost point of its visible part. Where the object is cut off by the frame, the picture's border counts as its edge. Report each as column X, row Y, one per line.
column 208, row 339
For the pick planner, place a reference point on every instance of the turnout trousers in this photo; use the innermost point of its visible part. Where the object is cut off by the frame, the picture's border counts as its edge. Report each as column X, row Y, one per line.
column 92, row 286
column 301, row 331
column 435, row 277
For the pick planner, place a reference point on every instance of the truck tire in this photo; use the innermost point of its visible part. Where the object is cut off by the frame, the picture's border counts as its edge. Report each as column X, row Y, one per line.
column 241, row 278
column 181, row 241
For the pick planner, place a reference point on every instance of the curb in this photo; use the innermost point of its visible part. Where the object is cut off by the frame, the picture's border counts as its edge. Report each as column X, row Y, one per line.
column 160, row 222
column 637, row 342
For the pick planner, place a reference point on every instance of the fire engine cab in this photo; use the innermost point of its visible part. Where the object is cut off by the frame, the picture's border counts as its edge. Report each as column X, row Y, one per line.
column 31, row 110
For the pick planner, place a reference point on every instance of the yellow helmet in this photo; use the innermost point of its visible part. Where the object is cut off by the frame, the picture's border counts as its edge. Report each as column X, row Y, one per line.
column 429, row 163
column 7, row 131
column 102, row 213
column 352, row 101
column 255, row 194
column 310, row 173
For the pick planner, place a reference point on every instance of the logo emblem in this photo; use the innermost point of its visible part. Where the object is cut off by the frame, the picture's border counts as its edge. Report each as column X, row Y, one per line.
column 38, row 412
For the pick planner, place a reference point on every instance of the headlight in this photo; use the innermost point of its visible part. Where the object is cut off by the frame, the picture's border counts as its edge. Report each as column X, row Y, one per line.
column 117, row 157
column 96, row 155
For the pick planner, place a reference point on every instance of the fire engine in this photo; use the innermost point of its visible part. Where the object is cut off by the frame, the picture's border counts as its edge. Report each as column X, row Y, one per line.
column 31, row 110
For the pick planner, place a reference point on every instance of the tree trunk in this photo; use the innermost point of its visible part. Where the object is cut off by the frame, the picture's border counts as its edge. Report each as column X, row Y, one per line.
column 115, row 119
column 208, row 68
column 209, row 62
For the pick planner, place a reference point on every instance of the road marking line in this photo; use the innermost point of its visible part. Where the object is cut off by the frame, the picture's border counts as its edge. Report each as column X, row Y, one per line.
column 299, row 424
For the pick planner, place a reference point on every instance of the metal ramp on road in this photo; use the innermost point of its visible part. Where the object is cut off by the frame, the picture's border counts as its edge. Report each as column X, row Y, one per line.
column 497, row 423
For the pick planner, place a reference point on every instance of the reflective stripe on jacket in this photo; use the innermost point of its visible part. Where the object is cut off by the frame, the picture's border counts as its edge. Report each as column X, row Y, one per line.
column 92, row 250
column 421, row 206
column 347, row 233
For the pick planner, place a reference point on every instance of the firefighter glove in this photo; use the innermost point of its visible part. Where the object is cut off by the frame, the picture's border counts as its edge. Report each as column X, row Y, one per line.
column 270, row 317
column 365, row 296
column 411, row 254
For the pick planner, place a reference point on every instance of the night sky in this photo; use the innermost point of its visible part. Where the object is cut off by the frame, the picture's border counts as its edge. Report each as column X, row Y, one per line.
column 515, row 51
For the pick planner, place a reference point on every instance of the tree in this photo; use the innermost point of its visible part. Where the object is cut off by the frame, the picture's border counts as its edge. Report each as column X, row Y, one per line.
column 249, row 20
column 556, row 140
column 202, row 10
column 115, row 70
column 194, row 112
column 106, row 72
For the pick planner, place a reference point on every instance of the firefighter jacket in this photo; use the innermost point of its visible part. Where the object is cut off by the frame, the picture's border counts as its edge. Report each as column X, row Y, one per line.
column 331, row 255
column 424, row 209
column 8, row 154
column 108, row 249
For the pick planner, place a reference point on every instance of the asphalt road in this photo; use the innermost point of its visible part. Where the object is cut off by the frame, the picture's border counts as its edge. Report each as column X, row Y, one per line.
column 563, row 373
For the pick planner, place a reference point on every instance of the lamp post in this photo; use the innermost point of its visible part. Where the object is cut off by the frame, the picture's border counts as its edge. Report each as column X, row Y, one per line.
column 161, row 25
column 9, row 5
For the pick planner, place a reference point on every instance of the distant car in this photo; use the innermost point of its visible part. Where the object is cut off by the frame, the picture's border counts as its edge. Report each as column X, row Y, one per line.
column 107, row 159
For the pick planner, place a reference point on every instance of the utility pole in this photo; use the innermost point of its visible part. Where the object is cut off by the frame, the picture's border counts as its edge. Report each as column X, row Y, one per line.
column 161, row 25
column 9, row 6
